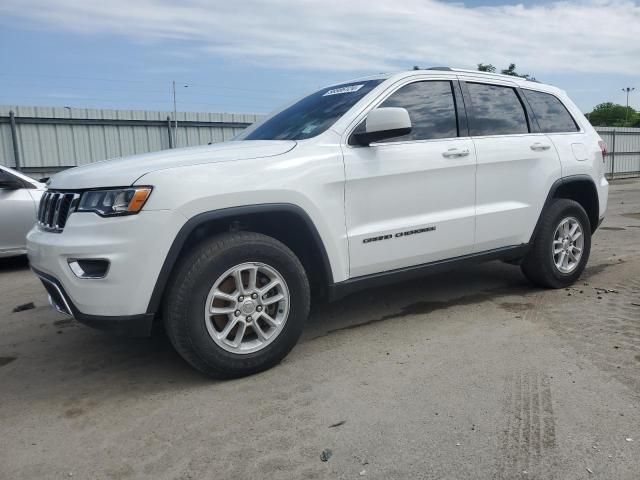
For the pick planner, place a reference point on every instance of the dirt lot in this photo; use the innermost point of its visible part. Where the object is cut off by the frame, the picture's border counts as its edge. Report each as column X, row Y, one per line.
column 472, row 374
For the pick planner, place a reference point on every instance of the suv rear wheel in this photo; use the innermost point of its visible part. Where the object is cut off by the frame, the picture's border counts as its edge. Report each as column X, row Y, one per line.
column 237, row 304
column 561, row 247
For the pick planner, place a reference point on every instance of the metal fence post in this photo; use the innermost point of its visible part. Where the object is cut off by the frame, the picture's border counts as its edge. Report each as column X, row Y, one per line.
column 613, row 154
column 169, row 131
column 14, row 139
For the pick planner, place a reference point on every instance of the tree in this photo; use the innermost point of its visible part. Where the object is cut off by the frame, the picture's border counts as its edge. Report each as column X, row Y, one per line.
column 610, row 114
column 486, row 68
column 507, row 71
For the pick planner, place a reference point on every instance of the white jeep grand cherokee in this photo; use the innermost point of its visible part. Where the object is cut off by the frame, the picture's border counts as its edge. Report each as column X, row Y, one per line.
column 359, row 184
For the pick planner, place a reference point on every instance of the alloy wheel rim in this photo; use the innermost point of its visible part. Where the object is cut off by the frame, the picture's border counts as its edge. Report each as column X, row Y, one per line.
column 568, row 245
column 247, row 308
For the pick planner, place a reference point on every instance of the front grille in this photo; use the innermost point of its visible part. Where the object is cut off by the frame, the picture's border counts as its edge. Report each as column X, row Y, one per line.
column 55, row 208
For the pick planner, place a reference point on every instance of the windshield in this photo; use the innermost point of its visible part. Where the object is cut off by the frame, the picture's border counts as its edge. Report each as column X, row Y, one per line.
column 313, row 114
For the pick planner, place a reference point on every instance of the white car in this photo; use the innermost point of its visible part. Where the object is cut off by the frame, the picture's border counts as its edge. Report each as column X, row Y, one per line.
column 356, row 185
column 19, row 197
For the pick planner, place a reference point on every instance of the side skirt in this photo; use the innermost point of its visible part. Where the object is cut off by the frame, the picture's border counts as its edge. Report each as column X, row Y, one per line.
column 342, row 289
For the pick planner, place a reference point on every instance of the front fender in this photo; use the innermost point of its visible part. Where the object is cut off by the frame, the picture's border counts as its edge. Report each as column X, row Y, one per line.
column 228, row 213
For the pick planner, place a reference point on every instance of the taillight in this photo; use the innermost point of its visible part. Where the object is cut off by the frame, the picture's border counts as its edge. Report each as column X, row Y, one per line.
column 603, row 148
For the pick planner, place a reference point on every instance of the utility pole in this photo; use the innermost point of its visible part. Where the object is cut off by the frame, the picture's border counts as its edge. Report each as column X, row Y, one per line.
column 628, row 90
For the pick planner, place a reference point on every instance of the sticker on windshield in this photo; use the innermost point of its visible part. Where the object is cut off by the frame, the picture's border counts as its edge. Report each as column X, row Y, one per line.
column 349, row 89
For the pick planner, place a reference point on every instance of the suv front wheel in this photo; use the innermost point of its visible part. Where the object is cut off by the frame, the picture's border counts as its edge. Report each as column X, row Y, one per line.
column 561, row 246
column 237, row 304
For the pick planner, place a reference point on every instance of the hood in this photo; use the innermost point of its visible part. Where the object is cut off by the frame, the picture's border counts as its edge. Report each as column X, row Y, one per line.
column 121, row 172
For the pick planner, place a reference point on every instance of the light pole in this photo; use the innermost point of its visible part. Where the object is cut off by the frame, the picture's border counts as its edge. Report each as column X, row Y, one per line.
column 628, row 90
column 175, row 115
column 175, row 118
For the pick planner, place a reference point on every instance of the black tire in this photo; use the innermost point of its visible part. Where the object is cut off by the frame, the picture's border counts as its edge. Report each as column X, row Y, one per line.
column 539, row 266
column 189, row 287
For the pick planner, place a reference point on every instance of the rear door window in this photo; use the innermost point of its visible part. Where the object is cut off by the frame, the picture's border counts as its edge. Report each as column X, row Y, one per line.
column 551, row 114
column 497, row 110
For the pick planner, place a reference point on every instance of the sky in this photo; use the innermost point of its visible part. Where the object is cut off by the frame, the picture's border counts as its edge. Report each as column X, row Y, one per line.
column 252, row 56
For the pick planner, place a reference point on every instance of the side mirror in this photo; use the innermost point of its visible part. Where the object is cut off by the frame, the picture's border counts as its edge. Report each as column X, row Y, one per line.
column 383, row 123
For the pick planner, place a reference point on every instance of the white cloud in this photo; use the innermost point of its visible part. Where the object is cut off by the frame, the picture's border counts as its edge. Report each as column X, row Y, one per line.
column 354, row 35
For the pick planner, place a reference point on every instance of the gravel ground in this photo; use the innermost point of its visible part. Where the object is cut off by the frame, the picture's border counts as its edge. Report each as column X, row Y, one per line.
column 472, row 374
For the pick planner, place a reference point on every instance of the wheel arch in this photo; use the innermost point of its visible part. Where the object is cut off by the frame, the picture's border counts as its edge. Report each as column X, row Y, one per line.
column 580, row 188
column 288, row 223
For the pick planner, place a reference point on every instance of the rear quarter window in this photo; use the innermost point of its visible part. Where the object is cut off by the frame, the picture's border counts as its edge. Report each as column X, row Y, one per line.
column 551, row 114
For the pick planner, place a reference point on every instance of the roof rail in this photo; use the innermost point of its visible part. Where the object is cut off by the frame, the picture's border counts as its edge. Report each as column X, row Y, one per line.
column 479, row 72
column 447, row 69
column 493, row 74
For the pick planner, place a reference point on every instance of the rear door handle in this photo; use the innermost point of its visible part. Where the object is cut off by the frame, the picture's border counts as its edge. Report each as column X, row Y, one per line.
column 540, row 146
column 455, row 153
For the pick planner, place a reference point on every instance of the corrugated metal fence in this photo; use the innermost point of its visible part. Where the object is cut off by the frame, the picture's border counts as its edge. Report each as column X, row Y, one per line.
column 623, row 144
column 48, row 140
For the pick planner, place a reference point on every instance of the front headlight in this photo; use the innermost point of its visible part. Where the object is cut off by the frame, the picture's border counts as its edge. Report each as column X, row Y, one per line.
column 112, row 202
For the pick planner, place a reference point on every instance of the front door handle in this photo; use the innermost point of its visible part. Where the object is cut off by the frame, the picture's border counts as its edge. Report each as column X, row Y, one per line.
column 455, row 153
column 540, row 146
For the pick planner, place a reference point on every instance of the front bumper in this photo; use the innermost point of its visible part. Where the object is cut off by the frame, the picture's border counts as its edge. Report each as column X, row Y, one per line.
column 135, row 247
column 130, row 326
